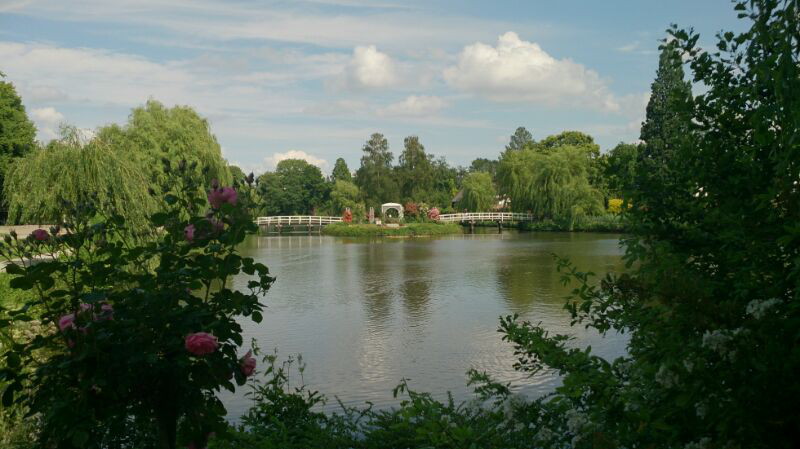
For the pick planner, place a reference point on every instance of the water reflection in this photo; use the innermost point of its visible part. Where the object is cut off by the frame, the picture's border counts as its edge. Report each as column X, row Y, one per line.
column 365, row 314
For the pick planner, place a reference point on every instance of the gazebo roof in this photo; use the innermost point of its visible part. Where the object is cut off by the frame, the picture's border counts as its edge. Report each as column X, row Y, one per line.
column 391, row 205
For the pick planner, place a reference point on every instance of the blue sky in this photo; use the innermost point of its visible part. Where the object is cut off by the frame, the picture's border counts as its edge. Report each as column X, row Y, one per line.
column 313, row 79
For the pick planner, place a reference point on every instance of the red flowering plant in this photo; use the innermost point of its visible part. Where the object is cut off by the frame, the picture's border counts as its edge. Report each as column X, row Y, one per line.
column 135, row 334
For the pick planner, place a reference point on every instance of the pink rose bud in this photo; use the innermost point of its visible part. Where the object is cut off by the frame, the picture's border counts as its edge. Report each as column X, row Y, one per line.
column 188, row 232
column 66, row 322
column 201, row 343
column 248, row 364
column 40, row 234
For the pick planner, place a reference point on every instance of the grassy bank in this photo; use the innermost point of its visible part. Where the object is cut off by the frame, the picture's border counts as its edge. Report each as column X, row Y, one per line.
column 408, row 230
column 602, row 223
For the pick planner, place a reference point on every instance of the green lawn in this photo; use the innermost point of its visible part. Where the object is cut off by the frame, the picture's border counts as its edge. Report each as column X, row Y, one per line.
column 407, row 230
column 9, row 298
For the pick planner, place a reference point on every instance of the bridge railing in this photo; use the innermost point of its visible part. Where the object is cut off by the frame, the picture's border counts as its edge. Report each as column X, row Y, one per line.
column 486, row 216
column 288, row 220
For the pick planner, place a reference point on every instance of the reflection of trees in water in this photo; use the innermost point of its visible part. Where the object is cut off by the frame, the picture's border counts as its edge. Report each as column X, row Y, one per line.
column 377, row 283
column 416, row 284
column 525, row 281
column 526, row 278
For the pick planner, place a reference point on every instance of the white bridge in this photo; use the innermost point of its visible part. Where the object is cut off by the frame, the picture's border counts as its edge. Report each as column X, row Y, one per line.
column 285, row 223
column 299, row 220
column 475, row 217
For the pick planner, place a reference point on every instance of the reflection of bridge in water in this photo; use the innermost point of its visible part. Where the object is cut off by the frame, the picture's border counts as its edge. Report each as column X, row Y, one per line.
column 310, row 223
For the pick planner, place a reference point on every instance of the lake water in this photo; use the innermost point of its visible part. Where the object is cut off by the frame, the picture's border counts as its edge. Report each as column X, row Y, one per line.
column 365, row 314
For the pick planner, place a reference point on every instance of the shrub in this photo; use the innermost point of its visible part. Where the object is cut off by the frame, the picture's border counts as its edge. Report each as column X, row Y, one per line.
column 615, row 205
column 137, row 337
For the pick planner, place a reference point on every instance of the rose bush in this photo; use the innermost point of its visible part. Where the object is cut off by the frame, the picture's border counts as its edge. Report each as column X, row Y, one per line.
column 136, row 334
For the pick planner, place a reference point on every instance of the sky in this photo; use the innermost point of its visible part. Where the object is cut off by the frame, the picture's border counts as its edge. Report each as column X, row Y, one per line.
column 314, row 79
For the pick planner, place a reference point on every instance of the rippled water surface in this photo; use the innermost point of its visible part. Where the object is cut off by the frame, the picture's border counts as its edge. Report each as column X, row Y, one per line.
column 365, row 314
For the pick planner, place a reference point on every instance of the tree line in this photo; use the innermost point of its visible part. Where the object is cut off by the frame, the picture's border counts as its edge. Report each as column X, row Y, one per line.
column 559, row 177
column 563, row 175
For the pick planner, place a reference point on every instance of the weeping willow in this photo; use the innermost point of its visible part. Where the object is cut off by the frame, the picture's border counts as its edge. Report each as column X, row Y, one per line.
column 550, row 185
column 155, row 132
column 479, row 194
column 76, row 171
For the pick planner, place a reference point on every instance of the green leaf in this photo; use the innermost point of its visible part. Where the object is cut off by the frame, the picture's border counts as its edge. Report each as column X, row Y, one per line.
column 21, row 283
column 12, row 360
column 8, row 394
column 80, row 438
column 13, row 268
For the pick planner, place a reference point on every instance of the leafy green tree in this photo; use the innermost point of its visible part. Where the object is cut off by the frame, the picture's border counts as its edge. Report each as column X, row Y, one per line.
column 237, row 175
column 620, row 170
column 17, row 133
column 155, row 132
column 294, row 188
column 345, row 194
column 446, row 183
column 76, row 172
column 484, row 165
column 575, row 139
column 665, row 128
column 551, row 185
column 522, row 138
column 375, row 177
column 340, row 171
column 711, row 299
column 479, row 194
column 414, row 172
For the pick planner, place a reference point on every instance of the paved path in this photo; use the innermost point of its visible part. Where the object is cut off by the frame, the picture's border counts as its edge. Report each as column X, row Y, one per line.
column 22, row 230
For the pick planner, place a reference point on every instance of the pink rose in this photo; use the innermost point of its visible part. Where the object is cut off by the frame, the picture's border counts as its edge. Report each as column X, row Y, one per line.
column 201, row 343
column 219, row 196
column 433, row 214
column 188, row 232
column 40, row 234
column 66, row 322
column 106, row 313
column 248, row 364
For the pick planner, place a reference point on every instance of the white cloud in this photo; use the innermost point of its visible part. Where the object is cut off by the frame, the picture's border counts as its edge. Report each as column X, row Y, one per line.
column 47, row 122
column 368, row 68
column 521, row 71
column 335, row 108
column 414, row 106
column 271, row 162
column 198, row 22
column 101, row 78
column 635, row 47
column 627, row 48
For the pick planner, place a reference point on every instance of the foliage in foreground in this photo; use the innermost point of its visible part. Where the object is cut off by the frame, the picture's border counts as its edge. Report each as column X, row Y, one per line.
column 288, row 417
column 134, row 339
